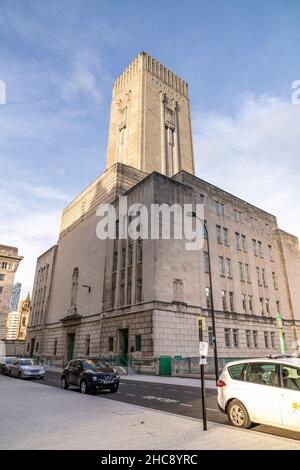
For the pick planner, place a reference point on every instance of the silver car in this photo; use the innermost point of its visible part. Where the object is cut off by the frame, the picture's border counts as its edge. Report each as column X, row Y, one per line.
column 26, row 368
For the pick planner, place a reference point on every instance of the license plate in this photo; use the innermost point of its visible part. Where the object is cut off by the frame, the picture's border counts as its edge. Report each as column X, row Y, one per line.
column 107, row 381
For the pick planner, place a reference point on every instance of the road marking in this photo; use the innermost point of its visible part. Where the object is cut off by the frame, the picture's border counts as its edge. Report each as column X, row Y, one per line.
column 130, row 395
column 187, row 391
column 161, row 399
column 173, row 389
column 185, row 404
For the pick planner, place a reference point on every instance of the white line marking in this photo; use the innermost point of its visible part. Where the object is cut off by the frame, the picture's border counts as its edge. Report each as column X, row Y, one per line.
column 130, row 395
column 186, row 391
column 185, row 404
column 162, row 399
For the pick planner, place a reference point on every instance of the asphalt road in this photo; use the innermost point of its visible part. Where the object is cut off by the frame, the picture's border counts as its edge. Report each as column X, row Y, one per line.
column 177, row 399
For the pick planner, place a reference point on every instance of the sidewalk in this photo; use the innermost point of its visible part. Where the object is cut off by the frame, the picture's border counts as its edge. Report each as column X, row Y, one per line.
column 37, row 417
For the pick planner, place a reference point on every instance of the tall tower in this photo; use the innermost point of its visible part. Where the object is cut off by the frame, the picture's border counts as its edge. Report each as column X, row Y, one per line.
column 150, row 124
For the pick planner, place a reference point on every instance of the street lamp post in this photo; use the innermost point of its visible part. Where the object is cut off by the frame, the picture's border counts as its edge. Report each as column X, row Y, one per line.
column 193, row 214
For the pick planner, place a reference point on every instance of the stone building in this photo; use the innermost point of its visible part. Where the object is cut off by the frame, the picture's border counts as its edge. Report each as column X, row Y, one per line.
column 9, row 262
column 141, row 298
column 24, row 310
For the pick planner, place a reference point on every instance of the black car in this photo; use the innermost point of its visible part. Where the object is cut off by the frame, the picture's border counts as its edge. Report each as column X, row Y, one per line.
column 89, row 376
column 4, row 363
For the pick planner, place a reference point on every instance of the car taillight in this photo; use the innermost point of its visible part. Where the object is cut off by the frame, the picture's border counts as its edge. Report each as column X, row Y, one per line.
column 221, row 383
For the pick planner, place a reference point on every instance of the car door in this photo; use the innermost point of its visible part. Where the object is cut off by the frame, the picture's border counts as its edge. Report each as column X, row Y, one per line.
column 290, row 396
column 14, row 368
column 71, row 373
column 261, row 392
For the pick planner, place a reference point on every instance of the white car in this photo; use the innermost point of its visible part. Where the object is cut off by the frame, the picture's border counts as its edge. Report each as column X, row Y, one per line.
column 26, row 368
column 261, row 390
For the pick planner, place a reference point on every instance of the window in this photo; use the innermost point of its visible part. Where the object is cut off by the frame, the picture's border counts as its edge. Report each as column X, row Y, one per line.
column 206, row 262
column 270, row 252
column 227, row 333
column 237, row 216
column 139, row 250
column 204, row 232
column 244, row 302
column 207, row 295
column 231, row 301
column 123, row 263
column 258, row 276
column 219, row 234
column 255, row 338
column 273, row 339
column 113, row 296
column 28, row 346
column 221, row 266
column 236, row 372
column 277, row 306
column 2, row 277
column 115, row 260
column 224, row 302
column 260, row 373
column 210, row 337
column 235, row 338
column 139, row 285
column 87, row 345
column 129, row 292
column 247, row 271
column 1, row 290
column 241, row 270
column 260, row 249
column 263, row 275
column 275, row 281
column 37, row 347
column 228, row 267
column 248, row 338
column 220, row 208
column 4, row 265
column 225, row 236
column 262, row 310
column 291, row 377
column 55, row 347
column 268, row 306
column 244, row 242
column 130, row 252
column 122, row 294
column 250, row 302
column 254, row 247
column 110, row 343
column 266, row 337
column 138, row 343
column 238, row 241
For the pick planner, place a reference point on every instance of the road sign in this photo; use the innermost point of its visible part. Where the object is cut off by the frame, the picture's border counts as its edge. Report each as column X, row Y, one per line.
column 203, row 350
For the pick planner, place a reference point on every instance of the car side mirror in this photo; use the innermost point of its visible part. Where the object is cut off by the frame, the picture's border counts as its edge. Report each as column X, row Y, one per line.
column 79, row 367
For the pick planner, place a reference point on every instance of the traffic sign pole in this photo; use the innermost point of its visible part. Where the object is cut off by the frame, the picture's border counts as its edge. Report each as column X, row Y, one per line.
column 202, row 360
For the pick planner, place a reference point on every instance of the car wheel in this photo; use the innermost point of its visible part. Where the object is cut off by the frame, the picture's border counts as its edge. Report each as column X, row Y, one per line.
column 114, row 389
column 63, row 383
column 83, row 387
column 238, row 414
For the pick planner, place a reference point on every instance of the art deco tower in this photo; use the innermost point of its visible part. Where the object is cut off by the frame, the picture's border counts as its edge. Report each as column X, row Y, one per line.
column 150, row 125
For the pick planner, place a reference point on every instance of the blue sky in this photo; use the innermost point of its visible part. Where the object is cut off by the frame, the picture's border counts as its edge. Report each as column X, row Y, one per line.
column 59, row 60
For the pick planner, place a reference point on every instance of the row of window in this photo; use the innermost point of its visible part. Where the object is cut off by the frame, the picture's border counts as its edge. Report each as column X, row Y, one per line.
column 241, row 242
column 228, row 303
column 137, row 343
column 232, row 338
column 220, row 209
column 7, row 266
column 2, row 277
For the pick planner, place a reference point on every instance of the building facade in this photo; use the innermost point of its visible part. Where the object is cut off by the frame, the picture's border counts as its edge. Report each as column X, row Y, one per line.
column 24, row 310
column 15, row 297
column 9, row 262
column 141, row 298
column 13, row 325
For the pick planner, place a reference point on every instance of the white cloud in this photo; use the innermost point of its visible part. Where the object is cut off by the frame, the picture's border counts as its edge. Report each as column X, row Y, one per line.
column 255, row 154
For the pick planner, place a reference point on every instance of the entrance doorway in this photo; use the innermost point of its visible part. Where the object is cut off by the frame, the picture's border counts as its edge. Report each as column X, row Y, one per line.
column 123, row 343
column 70, row 346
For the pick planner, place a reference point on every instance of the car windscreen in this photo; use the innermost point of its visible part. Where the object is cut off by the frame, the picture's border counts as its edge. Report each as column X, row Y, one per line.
column 89, row 364
column 28, row 362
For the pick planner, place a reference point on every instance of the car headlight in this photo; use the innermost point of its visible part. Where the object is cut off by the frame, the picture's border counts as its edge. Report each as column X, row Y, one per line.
column 94, row 378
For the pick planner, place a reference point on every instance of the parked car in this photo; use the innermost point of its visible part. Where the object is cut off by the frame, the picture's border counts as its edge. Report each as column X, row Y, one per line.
column 89, row 376
column 261, row 390
column 4, row 363
column 26, row 368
